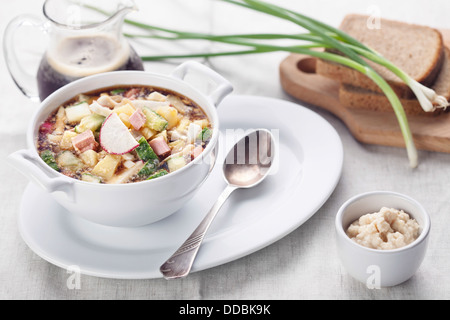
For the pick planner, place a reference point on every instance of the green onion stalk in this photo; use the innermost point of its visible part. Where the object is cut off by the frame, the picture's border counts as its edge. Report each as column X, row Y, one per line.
column 352, row 54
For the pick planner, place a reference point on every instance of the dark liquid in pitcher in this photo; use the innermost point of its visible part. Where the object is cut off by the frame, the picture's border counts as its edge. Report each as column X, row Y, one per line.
column 84, row 54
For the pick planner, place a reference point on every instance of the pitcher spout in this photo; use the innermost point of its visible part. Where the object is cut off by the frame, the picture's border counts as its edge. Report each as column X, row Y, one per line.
column 123, row 8
column 84, row 14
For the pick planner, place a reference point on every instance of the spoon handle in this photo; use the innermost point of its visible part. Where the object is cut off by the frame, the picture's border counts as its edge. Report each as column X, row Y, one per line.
column 180, row 263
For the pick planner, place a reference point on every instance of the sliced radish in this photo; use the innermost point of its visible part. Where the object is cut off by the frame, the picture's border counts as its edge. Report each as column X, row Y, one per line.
column 115, row 138
column 46, row 128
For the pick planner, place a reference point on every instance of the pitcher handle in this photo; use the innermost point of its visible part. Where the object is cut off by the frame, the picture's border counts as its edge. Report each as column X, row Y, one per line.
column 25, row 82
column 223, row 88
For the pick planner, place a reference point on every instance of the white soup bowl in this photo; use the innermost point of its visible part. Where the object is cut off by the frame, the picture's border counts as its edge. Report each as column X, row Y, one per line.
column 132, row 204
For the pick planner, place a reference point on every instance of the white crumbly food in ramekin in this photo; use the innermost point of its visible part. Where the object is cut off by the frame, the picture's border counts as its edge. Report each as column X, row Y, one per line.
column 384, row 230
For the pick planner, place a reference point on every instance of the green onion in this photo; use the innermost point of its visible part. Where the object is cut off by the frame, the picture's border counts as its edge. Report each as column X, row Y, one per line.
column 49, row 158
column 201, row 55
column 205, row 135
column 352, row 54
column 117, row 91
column 158, row 174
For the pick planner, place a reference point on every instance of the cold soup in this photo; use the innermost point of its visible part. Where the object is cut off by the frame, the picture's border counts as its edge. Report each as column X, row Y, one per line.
column 123, row 135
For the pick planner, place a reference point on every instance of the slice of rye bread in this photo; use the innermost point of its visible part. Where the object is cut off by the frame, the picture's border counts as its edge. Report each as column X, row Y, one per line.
column 357, row 98
column 418, row 50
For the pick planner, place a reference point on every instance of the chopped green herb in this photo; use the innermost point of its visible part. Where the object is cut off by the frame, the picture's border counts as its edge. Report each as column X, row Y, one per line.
column 158, row 174
column 49, row 159
column 205, row 135
column 117, row 91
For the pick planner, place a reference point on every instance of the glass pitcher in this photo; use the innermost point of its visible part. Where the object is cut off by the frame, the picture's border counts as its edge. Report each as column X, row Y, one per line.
column 83, row 40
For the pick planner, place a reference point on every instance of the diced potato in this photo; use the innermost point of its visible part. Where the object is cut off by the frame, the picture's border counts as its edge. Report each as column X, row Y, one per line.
column 177, row 146
column 188, row 149
column 202, row 123
column 125, row 119
column 147, row 133
column 176, row 163
column 197, row 151
column 176, row 135
column 119, row 99
column 177, row 103
column 128, row 157
column 87, row 177
column 156, row 96
column 170, row 114
column 127, row 174
column 149, row 104
column 66, row 140
column 107, row 166
column 90, row 158
column 69, row 161
column 107, row 101
column 183, row 125
column 60, row 121
column 126, row 109
column 162, row 134
column 129, row 164
column 83, row 97
column 54, row 138
column 136, row 134
column 97, row 108
column 77, row 112
column 102, row 154
column 124, row 101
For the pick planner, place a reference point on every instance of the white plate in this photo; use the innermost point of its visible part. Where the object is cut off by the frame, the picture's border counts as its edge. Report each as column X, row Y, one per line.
column 309, row 167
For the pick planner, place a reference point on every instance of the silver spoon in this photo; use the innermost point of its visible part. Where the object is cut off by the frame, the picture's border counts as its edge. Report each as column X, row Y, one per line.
column 246, row 165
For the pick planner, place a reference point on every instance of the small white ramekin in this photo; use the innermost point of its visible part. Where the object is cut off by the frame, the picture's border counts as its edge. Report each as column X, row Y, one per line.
column 381, row 268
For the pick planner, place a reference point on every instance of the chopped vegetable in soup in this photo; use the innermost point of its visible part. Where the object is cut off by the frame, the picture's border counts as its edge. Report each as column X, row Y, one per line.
column 123, row 134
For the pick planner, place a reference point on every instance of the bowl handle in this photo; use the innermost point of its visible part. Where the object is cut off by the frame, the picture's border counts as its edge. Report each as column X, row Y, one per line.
column 223, row 86
column 28, row 164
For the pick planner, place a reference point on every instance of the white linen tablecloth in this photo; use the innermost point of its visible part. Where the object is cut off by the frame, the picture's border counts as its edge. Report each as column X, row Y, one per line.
column 302, row 265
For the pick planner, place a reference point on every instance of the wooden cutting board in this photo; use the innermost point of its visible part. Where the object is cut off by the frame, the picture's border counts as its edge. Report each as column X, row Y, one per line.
column 299, row 79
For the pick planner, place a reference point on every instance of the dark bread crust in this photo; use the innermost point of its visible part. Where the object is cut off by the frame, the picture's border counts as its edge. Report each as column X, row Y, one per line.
column 418, row 50
column 359, row 98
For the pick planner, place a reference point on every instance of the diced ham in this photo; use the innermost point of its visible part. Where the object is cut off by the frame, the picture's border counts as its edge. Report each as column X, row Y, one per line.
column 196, row 152
column 84, row 141
column 159, row 145
column 132, row 93
column 138, row 119
column 91, row 146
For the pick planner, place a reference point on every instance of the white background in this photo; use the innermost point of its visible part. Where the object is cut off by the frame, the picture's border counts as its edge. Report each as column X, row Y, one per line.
column 304, row 264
